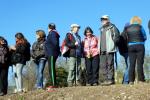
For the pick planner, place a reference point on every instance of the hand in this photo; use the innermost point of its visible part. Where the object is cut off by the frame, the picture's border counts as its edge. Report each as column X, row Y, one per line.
column 12, row 48
column 76, row 43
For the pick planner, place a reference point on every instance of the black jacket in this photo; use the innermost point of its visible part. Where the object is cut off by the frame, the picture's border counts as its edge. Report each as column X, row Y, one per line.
column 38, row 50
column 20, row 54
column 52, row 47
column 70, row 42
column 4, row 53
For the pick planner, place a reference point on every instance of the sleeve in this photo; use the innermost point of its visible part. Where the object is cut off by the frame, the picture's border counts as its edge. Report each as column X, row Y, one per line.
column 69, row 43
column 143, row 33
column 32, row 51
column 116, row 35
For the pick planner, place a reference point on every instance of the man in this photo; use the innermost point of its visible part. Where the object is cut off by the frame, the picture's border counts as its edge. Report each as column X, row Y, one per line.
column 73, row 41
column 109, row 36
column 52, row 50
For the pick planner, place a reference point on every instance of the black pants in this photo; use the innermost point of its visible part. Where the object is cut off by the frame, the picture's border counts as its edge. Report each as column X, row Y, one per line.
column 92, row 67
column 3, row 78
column 52, row 69
column 107, row 66
column 136, row 55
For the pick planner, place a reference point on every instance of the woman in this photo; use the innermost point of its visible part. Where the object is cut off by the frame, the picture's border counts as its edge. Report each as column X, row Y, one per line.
column 4, row 56
column 19, row 59
column 91, row 53
column 136, row 39
column 39, row 57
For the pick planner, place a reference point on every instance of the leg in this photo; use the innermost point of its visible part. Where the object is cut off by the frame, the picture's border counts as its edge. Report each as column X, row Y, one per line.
column 52, row 70
column 132, row 61
column 126, row 73
column 140, row 62
column 5, row 79
column 19, row 76
column 78, row 70
column 103, row 68
column 42, row 63
column 16, row 77
column 88, row 64
column 110, row 65
column 71, row 65
column 95, row 69
column 37, row 72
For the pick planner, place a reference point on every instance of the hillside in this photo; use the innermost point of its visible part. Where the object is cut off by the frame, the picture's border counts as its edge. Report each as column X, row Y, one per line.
column 113, row 92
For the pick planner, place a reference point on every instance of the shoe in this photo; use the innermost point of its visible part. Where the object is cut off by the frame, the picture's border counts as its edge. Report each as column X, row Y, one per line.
column 106, row 83
column 95, row 84
column 70, row 84
column 131, row 83
column 1, row 94
column 88, row 84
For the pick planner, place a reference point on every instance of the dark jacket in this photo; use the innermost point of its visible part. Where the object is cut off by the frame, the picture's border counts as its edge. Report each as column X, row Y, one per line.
column 135, row 33
column 4, row 53
column 38, row 50
column 20, row 55
column 70, row 42
column 52, row 47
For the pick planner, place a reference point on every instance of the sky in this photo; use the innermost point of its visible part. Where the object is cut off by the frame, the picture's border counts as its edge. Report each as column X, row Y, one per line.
column 27, row 16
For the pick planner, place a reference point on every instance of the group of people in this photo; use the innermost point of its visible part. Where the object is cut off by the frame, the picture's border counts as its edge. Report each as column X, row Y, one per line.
column 98, row 52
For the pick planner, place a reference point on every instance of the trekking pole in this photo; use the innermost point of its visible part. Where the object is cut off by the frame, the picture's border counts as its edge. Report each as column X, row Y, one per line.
column 149, row 26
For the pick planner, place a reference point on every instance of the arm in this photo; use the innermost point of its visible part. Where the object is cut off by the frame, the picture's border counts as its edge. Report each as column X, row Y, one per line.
column 116, row 35
column 143, row 33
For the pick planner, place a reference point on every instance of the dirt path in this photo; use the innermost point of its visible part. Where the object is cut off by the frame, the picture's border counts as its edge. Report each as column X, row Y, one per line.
column 114, row 92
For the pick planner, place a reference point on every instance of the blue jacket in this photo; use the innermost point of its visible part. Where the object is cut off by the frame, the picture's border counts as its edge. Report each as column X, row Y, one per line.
column 52, row 44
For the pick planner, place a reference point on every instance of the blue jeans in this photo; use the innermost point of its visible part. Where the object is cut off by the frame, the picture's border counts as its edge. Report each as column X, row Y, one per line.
column 40, row 65
column 126, row 72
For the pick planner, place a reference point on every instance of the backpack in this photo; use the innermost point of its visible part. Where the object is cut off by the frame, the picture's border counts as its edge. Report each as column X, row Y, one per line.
column 64, row 47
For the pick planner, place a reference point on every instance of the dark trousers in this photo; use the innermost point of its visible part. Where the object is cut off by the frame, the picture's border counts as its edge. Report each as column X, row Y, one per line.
column 136, row 55
column 3, row 78
column 52, row 69
column 107, row 66
column 92, row 67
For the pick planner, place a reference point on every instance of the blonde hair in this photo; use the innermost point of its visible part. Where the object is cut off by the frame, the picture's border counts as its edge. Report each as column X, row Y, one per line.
column 136, row 19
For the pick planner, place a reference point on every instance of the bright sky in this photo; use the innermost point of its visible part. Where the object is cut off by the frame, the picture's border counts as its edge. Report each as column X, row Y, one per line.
column 27, row 16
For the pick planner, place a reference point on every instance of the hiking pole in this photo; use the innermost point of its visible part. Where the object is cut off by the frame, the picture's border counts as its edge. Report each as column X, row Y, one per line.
column 76, row 70
column 149, row 25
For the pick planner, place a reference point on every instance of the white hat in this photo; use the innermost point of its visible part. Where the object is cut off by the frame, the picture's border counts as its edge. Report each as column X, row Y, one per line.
column 75, row 25
column 105, row 17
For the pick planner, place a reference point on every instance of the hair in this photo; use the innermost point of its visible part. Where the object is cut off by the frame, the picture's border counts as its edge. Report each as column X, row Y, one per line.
column 52, row 26
column 88, row 29
column 41, row 33
column 20, row 38
column 136, row 19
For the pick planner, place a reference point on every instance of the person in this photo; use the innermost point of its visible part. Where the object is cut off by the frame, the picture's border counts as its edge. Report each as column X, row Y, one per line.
column 109, row 36
column 4, row 65
column 123, row 50
column 91, row 54
column 19, row 58
column 73, row 42
column 52, row 51
column 39, row 57
column 136, row 39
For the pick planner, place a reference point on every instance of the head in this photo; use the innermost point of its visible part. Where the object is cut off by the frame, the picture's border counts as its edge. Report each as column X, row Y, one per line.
column 75, row 28
column 88, row 31
column 20, row 38
column 2, row 41
column 51, row 27
column 105, row 19
column 136, row 20
column 40, row 35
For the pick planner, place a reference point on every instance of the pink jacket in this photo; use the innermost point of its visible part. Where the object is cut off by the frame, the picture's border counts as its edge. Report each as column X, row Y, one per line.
column 91, row 45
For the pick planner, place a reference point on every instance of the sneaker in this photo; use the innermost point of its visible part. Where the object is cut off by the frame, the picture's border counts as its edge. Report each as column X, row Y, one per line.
column 131, row 83
column 95, row 84
column 88, row 84
column 1, row 94
column 70, row 84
